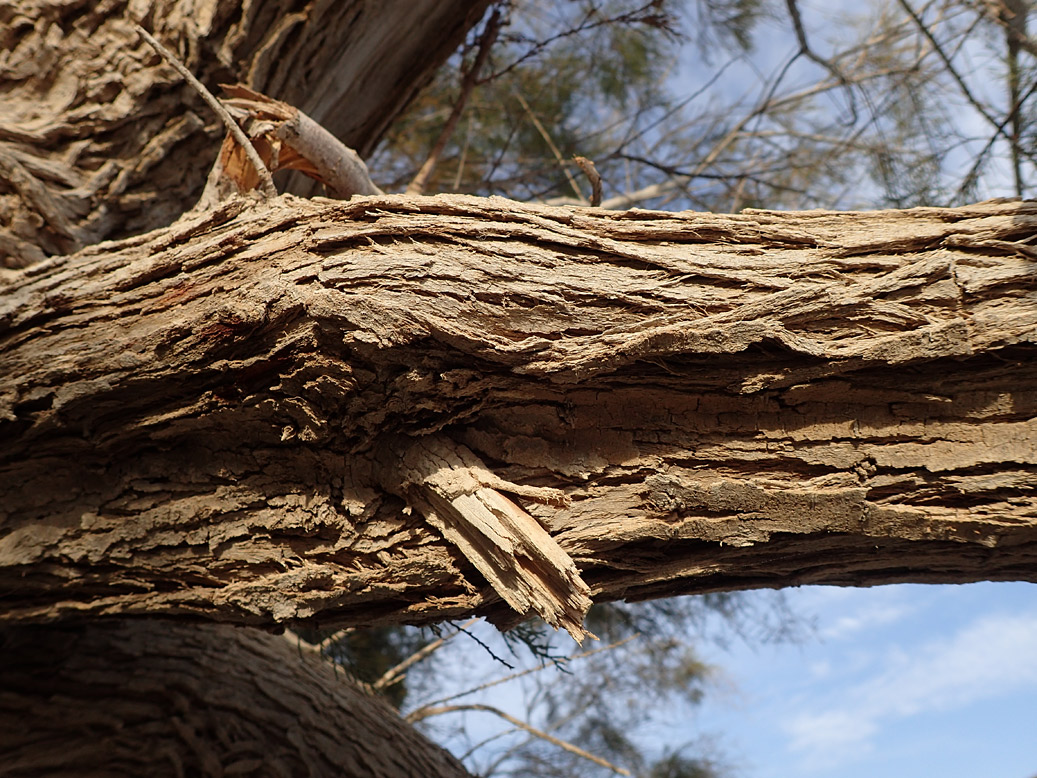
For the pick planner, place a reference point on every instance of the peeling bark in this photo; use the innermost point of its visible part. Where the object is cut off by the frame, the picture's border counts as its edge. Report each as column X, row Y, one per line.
column 193, row 418
column 462, row 500
column 401, row 409
column 156, row 698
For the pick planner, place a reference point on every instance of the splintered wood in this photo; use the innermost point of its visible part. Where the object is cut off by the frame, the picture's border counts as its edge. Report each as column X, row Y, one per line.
column 462, row 499
column 288, row 139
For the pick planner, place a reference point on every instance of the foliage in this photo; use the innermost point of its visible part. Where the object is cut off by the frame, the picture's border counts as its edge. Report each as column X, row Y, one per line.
column 547, row 95
column 878, row 104
column 604, row 697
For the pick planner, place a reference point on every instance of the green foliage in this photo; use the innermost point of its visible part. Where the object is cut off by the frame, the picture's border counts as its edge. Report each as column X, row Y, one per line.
column 678, row 766
column 721, row 23
column 882, row 110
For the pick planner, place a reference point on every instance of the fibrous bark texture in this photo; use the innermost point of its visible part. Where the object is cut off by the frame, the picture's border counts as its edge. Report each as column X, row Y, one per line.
column 156, row 698
column 213, row 419
column 99, row 137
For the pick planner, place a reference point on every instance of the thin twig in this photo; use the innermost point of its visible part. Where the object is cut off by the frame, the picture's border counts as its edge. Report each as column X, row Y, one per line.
column 550, row 144
column 647, row 14
column 1013, row 12
column 564, row 745
column 471, row 78
column 809, row 53
column 973, row 174
column 266, row 181
column 419, row 713
column 396, row 674
column 924, row 29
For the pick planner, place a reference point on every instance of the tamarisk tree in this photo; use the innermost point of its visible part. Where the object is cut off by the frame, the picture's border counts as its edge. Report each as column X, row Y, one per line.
column 281, row 412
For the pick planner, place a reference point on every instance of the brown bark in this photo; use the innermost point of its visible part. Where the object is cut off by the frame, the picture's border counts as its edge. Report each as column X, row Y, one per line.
column 155, row 698
column 408, row 410
column 203, row 420
column 100, row 138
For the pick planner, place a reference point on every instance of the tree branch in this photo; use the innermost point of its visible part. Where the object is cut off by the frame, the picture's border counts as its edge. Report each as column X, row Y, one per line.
column 192, row 419
column 468, row 82
column 539, row 733
column 265, row 179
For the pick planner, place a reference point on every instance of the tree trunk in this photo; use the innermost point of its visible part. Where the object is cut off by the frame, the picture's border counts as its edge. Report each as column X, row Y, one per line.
column 101, row 138
column 155, row 698
column 311, row 410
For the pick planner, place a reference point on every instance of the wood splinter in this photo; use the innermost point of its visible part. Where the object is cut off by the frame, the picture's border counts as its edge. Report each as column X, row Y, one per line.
column 282, row 138
column 461, row 498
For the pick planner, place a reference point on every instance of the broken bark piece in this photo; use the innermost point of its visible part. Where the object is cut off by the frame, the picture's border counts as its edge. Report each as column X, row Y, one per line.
column 461, row 498
column 288, row 139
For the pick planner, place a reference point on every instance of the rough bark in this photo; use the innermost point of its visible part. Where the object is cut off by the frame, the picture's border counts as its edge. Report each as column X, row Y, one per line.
column 100, row 138
column 155, row 698
column 215, row 419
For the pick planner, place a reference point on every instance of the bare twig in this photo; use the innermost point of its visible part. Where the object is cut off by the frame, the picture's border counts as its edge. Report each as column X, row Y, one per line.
column 419, row 713
column 927, row 33
column 471, row 78
column 809, row 53
column 550, row 144
column 397, row 673
column 997, row 12
column 1013, row 14
column 593, row 176
column 647, row 14
column 265, row 179
column 564, row 745
column 972, row 175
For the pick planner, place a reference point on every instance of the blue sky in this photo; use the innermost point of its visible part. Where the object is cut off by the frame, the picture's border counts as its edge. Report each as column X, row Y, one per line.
column 892, row 681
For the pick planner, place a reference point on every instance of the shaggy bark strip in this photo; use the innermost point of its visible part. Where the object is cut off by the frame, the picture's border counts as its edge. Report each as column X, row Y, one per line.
column 191, row 418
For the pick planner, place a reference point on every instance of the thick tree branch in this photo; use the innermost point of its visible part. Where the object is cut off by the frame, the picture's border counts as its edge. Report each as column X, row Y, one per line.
column 159, row 698
column 192, row 419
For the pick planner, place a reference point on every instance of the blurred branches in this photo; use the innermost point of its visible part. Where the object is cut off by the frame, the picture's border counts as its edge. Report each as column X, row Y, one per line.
column 678, row 105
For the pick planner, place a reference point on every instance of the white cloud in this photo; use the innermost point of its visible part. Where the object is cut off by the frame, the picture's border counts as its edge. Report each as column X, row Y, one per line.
column 878, row 614
column 861, row 610
column 989, row 657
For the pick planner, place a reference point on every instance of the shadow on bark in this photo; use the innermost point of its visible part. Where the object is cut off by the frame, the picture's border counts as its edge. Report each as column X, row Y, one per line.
column 162, row 698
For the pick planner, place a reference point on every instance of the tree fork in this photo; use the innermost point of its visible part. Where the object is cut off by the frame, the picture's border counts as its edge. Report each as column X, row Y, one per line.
column 191, row 418
column 129, row 147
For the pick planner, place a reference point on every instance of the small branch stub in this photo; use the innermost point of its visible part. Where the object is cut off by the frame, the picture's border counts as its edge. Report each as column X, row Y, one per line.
column 296, row 142
column 593, row 176
column 462, row 499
